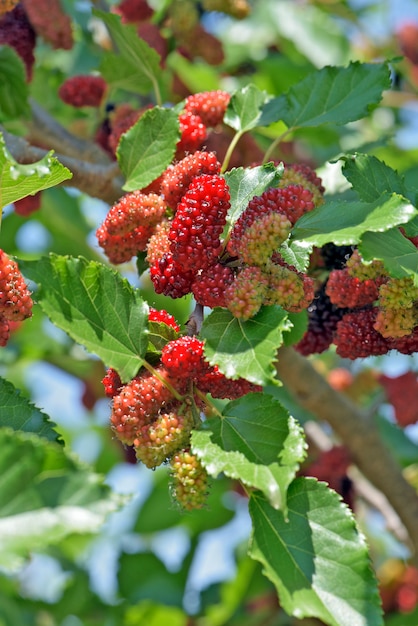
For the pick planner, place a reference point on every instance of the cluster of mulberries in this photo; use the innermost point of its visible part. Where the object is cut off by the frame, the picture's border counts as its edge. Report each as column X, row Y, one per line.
column 360, row 308
column 156, row 410
column 15, row 300
column 187, row 244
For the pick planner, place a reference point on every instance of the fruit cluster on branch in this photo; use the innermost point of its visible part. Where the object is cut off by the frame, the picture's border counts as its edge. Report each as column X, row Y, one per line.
column 360, row 308
column 156, row 410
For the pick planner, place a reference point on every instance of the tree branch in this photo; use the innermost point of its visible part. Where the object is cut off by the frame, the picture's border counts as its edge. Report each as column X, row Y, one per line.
column 45, row 131
column 102, row 181
column 357, row 431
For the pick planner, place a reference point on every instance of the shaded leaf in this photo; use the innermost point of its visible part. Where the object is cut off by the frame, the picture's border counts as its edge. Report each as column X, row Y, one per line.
column 18, row 181
column 44, row 497
column 17, row 413
column 256, row 442
column 134, row 53
column 13, row 85
column 245, row 349
column 346, row 222
column 317, row 559
column 371, row 177
column 146, row 149
column 332, row 95
column 399, row 255
column 96, row 306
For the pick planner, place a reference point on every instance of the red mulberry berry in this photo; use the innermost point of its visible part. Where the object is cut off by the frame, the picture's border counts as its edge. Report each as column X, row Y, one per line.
column 134, row 210
column 346, row 291
column 210, row 285
column 163, row 317
column 210, row 106
column 171, row 278
column 302, row 174
column 183, row 357
column 17, row 32
column 83, row 91
column 158, row 244
column 177, row 178
column 4, row 332
column 121, row 248
column 138, row 403
column 257, row 234
column 199, row 221
column 211, row 380
column 189, row 481
column 407, row 344
column 133, row 11
column 15, row 301
column 245, row 295
column 356, row 337
column 50, row 22
column 28, row 205
column 192, row 134
column 111, row 382
column 293, row 201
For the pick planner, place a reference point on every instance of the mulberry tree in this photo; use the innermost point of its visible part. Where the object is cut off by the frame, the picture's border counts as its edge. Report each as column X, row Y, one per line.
column 210, row 229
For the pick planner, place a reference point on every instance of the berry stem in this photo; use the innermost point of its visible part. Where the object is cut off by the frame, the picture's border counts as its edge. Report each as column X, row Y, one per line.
column 230, row 150
column 275, row 143
column 169, row 386
column 195, row 321
column 208, row 402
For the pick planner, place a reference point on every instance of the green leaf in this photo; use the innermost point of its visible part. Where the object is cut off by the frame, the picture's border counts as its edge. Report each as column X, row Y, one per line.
column 315, row 33
column 159, row 334
column 138, row 60
column 256, row 442
column 246, row 183
column 399, row 255
column 317, row 559
column 244, row 108
column 17, row 413
column 96, row 306
column 296, row 253
column 346, row 222
column 332, row 95
column 245, row 349
column 18, row 181
column 13, row 86
column 371, row 177
column 154, row 614
column 44, row 497
column 146, row 149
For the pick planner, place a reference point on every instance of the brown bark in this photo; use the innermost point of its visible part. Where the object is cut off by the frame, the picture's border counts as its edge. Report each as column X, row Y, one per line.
column 357, row 430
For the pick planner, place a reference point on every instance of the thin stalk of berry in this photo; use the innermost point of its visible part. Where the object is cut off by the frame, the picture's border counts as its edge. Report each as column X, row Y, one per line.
column 169, row 386
column 195, row 321
column 204, row 397
column 230, row 150
column 275, row 143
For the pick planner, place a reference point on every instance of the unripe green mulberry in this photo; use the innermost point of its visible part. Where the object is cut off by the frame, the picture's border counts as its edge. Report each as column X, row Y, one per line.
column 189, row 481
